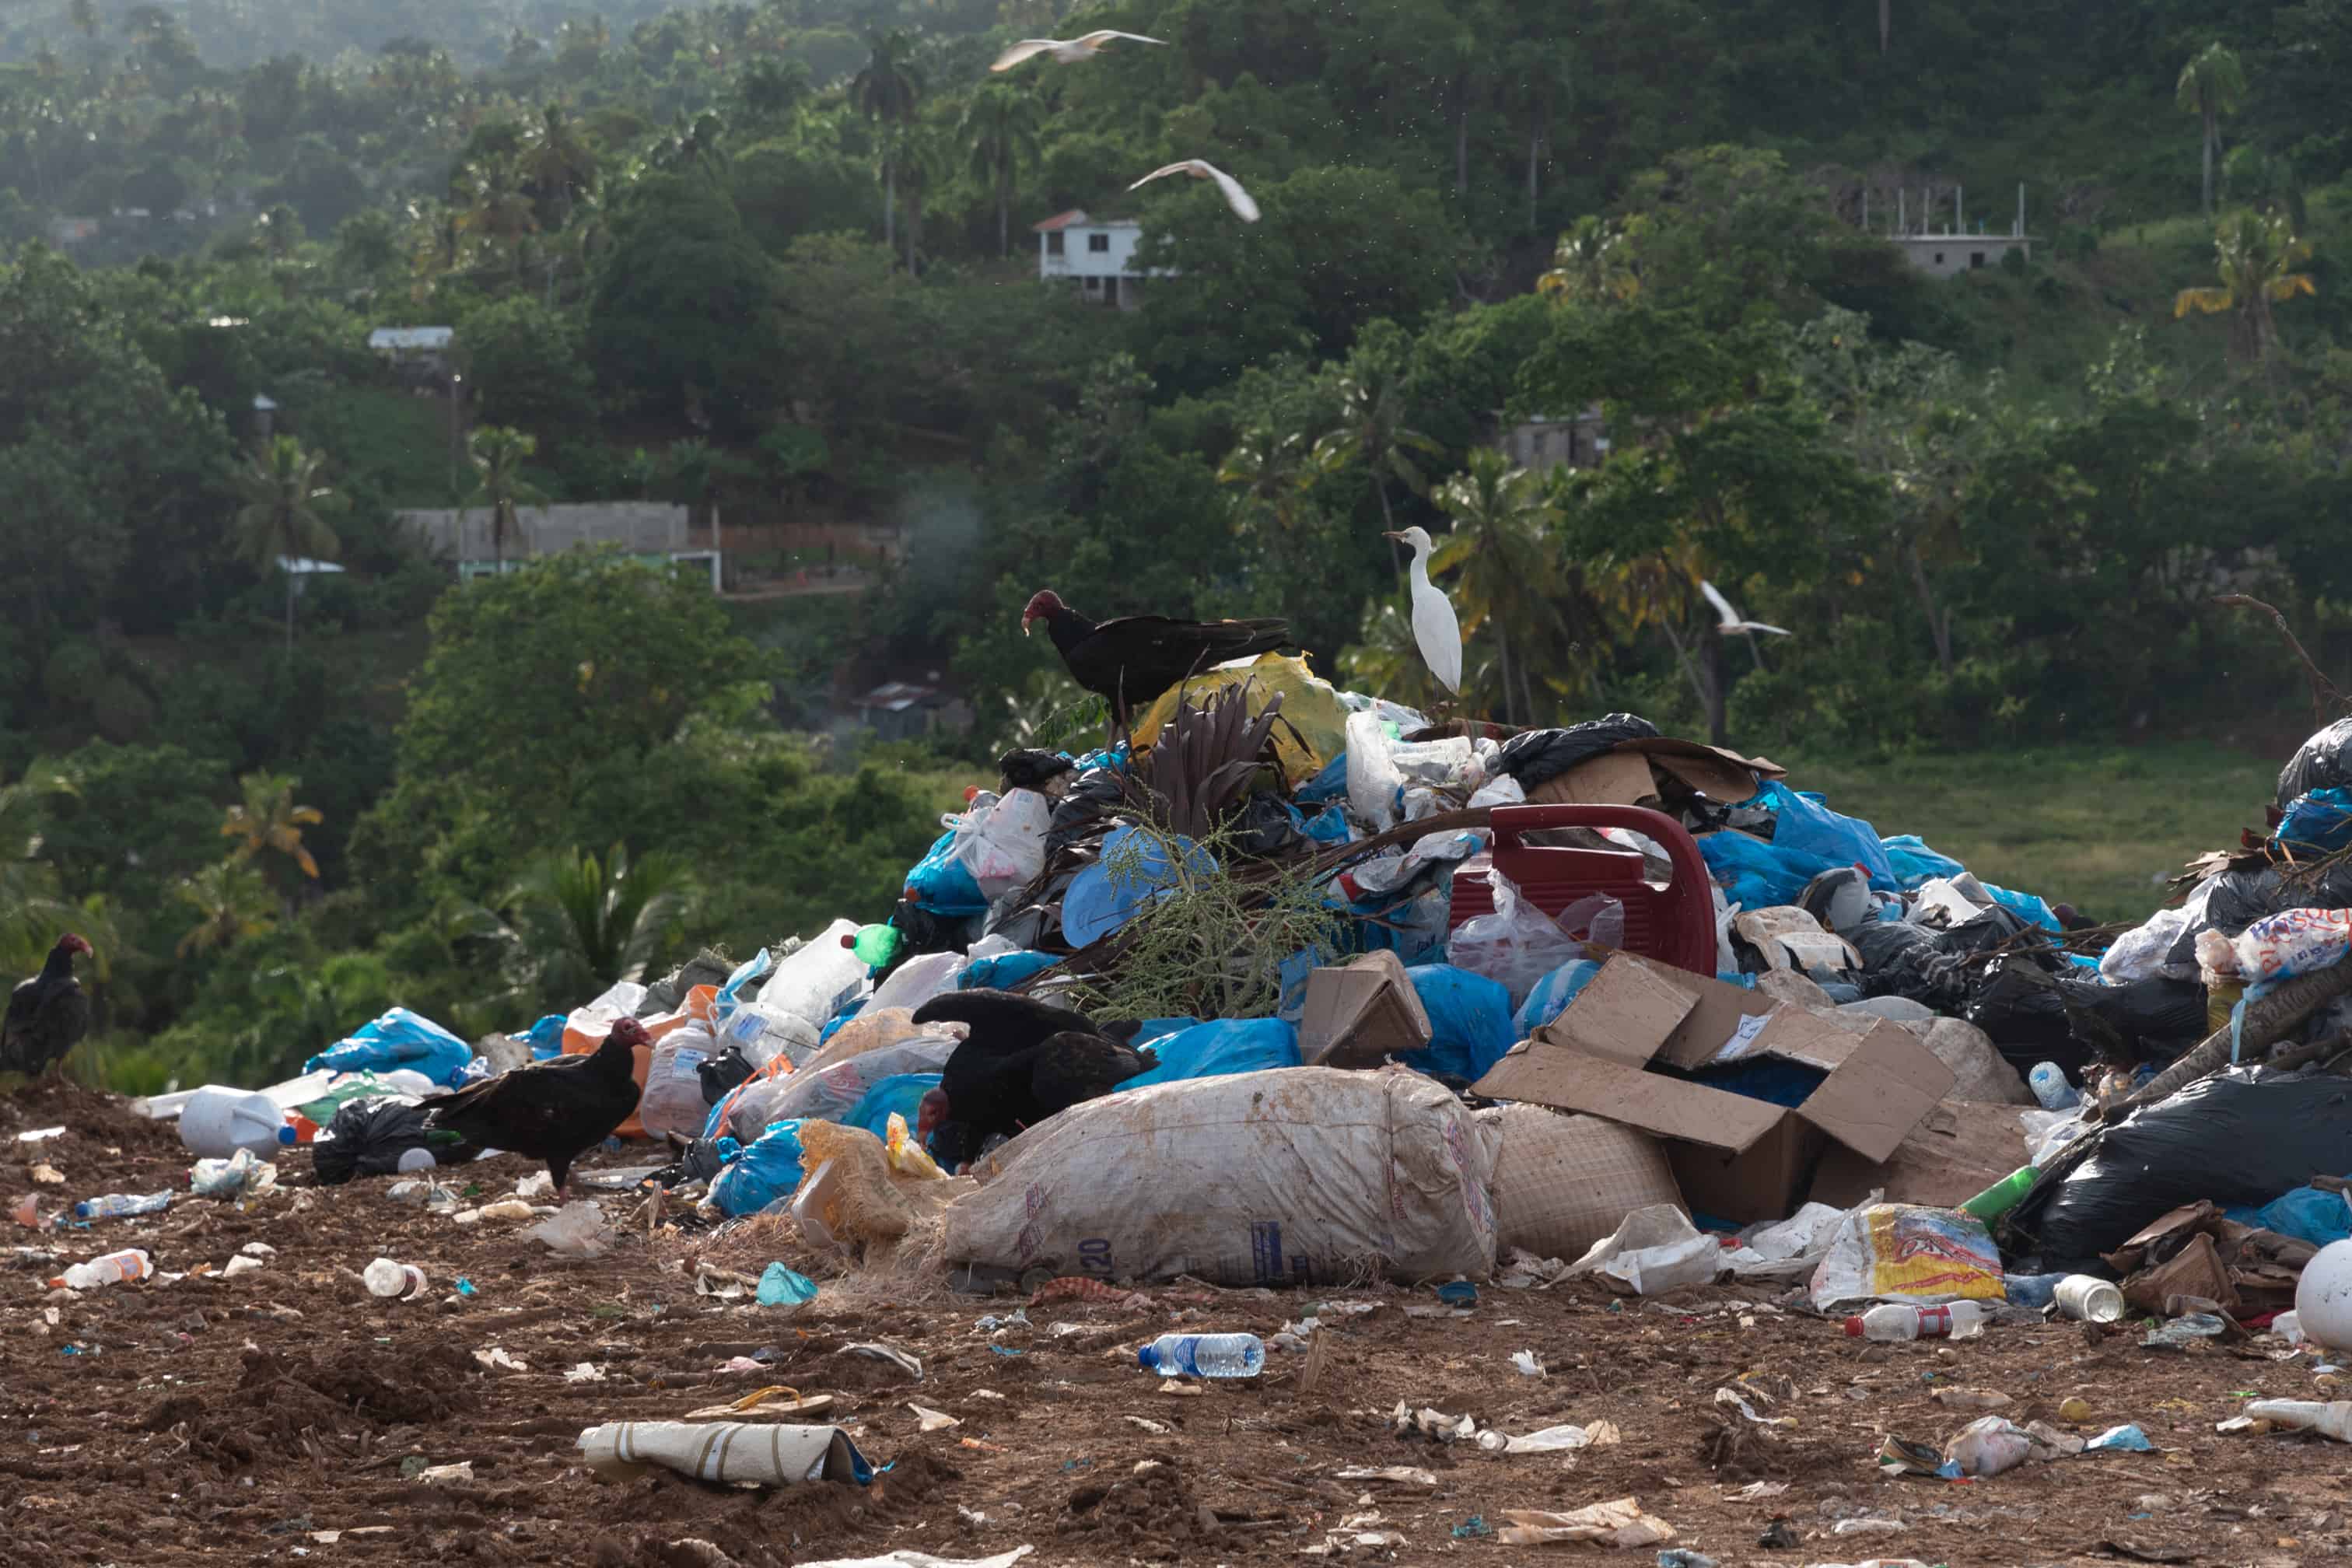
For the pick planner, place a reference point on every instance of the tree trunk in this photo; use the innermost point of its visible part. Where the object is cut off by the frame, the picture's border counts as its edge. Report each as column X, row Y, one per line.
column 1885, row 24
column 289, row 616
column 889, row 206
column 1503, row 645
column 1718, row 727
column 1388, row 521
column 1462, row 136
column 2213, row 135
column 1535, row 140
column 1004, row 217
column 1938, row 626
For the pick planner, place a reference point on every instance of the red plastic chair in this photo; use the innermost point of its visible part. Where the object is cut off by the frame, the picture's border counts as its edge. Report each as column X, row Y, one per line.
column 1674, row 924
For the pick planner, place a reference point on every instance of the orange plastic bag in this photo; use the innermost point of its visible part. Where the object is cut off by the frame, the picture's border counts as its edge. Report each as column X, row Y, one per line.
column 582, row 1035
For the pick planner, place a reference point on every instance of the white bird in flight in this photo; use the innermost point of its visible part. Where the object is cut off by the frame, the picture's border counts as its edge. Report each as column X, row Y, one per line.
column 1068, row 51
column 1436, row 631
column 1201, row 169
column 1731, row 621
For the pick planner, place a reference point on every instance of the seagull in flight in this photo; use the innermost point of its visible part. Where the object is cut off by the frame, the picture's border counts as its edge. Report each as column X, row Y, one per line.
column 1068, row 52
column 1731, row 621
column 1201, row 169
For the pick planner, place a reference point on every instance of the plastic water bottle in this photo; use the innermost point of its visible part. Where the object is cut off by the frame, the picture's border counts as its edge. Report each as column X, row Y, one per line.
column 2050, row 1087
column 1897, row 1321
column 1203, row 1355
column 117, row 1205
column 133, row 1264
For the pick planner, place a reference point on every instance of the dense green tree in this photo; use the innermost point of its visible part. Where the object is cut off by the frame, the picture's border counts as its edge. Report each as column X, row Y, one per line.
column 887, row 91
column 284, row 518
column 2210, row 86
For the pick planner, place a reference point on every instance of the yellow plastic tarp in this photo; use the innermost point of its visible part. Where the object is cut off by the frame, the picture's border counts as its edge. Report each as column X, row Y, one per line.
column 1310, row 706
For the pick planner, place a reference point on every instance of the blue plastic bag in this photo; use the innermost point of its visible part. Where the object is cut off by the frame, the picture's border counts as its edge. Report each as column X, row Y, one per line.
column 1808, row 826
column 1329, row 784
column 940, row 883
column 832, row 1025
column 546, row 1037
column 1552, row 995
column 730, row 995
column 901, row 1093
column 399, row 1039
column 1005, row 969
column 2316, row 823
column 2023, row 905
column 1216, row 1048
column 2307, row 1214
column 1915, row 864
column 1756, row 875
column 1329, row 825
column 769, row 1169
column 1470, row 1024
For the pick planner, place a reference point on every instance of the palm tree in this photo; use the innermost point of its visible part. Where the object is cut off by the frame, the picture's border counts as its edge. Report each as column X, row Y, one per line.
column 498, row 453
column 1372, row 431
column 999, row 129
column 556, row 165
column 489, row 201
column 1386, row 658
column 282, row 518
column 2255, row 254
column 587, row 923
column 2210, row 86
column 267, row 818
column 33, row 906
column 886, row 92
column 232, row 903
column 1271, row 470
column 1595, row 263
column 912, row 151
column 1504, row 562
column 1543, row 78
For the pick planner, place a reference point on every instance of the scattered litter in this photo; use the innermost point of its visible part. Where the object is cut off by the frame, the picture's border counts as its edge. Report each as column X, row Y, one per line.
column 445, row 1475
column 496, row 1359
column 1618, row 1522
column 1156, row 1428
column 1525, row 1363
column 241, row 1263
column 585, row 1371
column 903, row 1559
column 2182, row 1332
column 392, row 1280
column 781, row 1287
column 40, row 1134
column 763, row 1454
column 576, row 1230
column 1389, row 1475
column 505, row 1208
column 932, row 1420
column 899, row 1358
column 1551, row 1439
column 48, row 1176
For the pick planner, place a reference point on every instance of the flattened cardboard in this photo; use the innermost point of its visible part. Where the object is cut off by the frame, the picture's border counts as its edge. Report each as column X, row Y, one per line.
column 1360, row 1014
column 1633, row 1009
column 1612, row 778
column 1789, row 938
column 1957, row 1150
column 1714, row 772
column 1739, row 1158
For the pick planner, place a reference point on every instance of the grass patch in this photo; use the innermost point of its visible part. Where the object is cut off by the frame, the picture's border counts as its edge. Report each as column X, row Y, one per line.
column 2100, row 827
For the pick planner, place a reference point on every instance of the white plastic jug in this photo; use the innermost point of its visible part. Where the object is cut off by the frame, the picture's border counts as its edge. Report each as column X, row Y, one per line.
column 815, row 983
column 917, row 980
column 216, row 1122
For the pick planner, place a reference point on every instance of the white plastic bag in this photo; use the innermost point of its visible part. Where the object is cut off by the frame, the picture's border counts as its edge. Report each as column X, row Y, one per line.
column 1907, row 1252
column 917, row 980
column 1373, row 781
column 815, row 983
column 830, row 1093
column 1653, row 1249
column 2294, row 942
column 673, row 1100
column 1007, row 846
column 1291, row 1176
column 1517, row 945
column 764, row 1035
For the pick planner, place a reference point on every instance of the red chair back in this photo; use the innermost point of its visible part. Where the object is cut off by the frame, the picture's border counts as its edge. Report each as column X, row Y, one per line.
column 1674, row 924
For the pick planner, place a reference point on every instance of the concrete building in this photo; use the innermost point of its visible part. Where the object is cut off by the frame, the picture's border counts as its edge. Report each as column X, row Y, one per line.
column 1952, row 248
column 1098, row 252
column 1544, row 443
column 651, row 531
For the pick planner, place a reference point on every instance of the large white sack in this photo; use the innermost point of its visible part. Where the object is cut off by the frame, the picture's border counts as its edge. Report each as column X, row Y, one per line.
column 1291, row 1176
column 1562, row 1183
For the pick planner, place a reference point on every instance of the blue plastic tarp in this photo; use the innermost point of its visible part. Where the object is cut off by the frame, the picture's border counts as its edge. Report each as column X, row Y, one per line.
column 769, row 1169
column 1806, row 826
column 940, row 883
column 1552, row 995
column 1470, row 1024
column 2025, row 906
column 900, row 1092
column 1754, row 874
column 399, row 1039
column 1915, row 864
column 546, row 1037
column 2316, row 823
column 1005, row 969
column 2307, row 1214
column 1214, row 1049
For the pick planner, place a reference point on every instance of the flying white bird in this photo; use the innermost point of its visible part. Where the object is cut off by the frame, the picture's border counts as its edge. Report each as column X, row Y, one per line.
column 1201, row 169
column 1731, row 621
column 1068, row 52
column 1435, row 629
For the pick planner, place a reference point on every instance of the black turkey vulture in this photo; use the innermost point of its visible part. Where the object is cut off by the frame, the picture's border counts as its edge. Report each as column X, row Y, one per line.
column 553, row 1111
column 1023, row 1061
column 47, row 1015
column 1133, row 659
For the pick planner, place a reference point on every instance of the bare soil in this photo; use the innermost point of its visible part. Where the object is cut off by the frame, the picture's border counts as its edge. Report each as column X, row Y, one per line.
column 278, row 1417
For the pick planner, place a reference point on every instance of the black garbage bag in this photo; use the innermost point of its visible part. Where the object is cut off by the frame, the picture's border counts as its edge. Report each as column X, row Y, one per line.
column 2234, row 1138
column 700, row 1161
column 1096, row 792
column 1939, row 969
column 1536, row 757
column 371, row 1137
column 2155, row 1017
column 1032, row 769
column 1265, row 829
column 721, row 1075
column 2324, row 762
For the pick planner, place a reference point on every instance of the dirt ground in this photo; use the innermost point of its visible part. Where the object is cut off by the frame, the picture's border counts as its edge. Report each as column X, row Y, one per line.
column 281, row 1415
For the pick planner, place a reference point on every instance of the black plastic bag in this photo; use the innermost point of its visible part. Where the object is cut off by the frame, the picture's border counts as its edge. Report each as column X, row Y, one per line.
column 700, row 1161
column 1032, row 769
column 1096, row 792
column 1940, row 969
column 369, row 1138
column 2034, row 1017
column 2227, row 1138
column 721, row 1075
column 2324, row 762
column 1536, row 757
column 1265, row 829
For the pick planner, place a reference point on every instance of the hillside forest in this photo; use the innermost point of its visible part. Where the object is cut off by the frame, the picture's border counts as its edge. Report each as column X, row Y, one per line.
column 776, row 263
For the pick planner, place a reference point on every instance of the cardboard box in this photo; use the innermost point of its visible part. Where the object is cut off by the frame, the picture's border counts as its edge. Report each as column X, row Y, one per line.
column 1737, row 1158
column 1622, row 776
column 1360, row 1014
column 1959, row 1150
column 1789, row 938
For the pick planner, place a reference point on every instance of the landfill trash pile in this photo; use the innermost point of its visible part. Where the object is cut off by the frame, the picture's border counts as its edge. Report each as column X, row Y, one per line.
column 1291, row 1048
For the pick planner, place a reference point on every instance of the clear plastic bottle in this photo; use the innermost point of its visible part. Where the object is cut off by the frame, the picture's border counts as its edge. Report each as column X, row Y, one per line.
column 2048, row 1081
column 115, row 1267
column 1899, row 1320
column 119, row 1205
column 1203, row 1355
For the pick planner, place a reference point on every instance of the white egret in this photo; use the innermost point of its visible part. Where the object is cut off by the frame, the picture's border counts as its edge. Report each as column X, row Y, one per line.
column 1201, row 169
column 1435, row 628
column 1068, row 51
column 1731, row 621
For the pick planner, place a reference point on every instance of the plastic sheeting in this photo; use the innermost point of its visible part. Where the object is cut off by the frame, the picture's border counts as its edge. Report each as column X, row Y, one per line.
column 400, row 1038
column 768, row 1169
column 1219, row 1048
column 1469, row 1022
column 1314, row 728
column 1552, row 995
